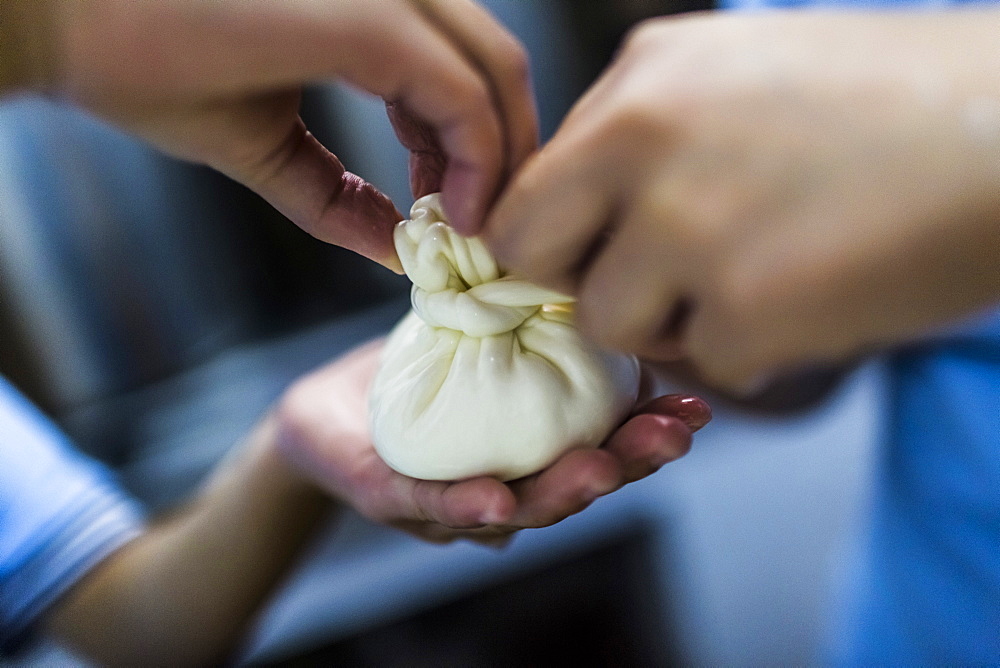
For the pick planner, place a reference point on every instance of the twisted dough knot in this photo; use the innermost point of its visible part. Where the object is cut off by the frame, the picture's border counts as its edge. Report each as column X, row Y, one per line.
column 456, row 281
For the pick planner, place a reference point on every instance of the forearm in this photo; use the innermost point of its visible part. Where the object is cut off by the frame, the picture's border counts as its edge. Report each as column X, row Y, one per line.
column 26, row 58
column 187, row 588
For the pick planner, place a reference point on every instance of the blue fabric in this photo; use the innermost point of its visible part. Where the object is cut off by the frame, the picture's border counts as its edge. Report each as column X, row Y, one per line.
column 60, row 513
column 842, row 4
column 927, row 590
column 926, row 586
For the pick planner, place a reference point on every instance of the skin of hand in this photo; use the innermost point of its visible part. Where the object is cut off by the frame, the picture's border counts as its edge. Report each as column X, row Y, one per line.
column 323, row 429
column 187, row 588
column 220, row 82
column 763, row 190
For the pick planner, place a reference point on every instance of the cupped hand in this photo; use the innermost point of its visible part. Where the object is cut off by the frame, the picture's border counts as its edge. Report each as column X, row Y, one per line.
column 761, row 190
column 220, row 82
column 323, row 431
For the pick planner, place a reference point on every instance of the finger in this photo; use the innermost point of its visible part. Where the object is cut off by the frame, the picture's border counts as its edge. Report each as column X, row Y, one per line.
column 724, row 342
column 693, row 411
column 646, row 442
column 310, row 186
column 502, row 60
column 490, row 536
column 628, row 295
column 388, row 497
column 462, row 505
column 552, row 218
column 427, row 73
column 392, row 50
column 568, row 486
column 427, row 159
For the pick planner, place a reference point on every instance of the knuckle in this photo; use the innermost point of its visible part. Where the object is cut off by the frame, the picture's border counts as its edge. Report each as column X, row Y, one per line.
column 426, row 498
column 701, row 211
column 370, row 502
column 364, row 488
column 643, row 129
column 264, row 159
column 379, row 508
column 635, row 120
column 514, row 61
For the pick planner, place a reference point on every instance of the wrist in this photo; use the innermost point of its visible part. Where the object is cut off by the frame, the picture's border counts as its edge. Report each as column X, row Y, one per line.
column 27, row 45
column 195, row 579
column 264, row 465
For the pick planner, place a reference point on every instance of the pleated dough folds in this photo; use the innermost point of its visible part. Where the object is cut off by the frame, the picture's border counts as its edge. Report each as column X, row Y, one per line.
column 487, row 374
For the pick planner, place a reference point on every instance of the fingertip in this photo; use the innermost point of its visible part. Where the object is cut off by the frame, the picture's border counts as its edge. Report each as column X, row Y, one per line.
column 359, row 217
column 693, row 411
column 647, row 442
column 499, row 512
column 491, row 500
column 393, row 264
column 464, row 196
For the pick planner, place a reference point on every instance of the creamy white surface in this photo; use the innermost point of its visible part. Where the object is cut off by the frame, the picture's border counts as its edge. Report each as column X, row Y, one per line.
column 483, row 376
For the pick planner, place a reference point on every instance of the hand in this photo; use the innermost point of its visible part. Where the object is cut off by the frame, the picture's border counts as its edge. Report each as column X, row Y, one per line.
column 323, row 431
column 757, row 191
column 219, row 83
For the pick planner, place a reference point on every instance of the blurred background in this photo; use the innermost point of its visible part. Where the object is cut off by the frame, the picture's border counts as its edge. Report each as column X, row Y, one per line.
column 156, row 309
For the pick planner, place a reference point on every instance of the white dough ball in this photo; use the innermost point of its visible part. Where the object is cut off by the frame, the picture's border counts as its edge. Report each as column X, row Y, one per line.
column 487, row 374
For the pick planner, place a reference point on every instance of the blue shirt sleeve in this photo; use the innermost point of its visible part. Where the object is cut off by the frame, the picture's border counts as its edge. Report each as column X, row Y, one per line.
column 927, row 581
column 60, row 514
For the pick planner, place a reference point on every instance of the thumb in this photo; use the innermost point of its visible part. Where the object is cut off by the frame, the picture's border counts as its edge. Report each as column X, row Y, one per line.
column 307, row 183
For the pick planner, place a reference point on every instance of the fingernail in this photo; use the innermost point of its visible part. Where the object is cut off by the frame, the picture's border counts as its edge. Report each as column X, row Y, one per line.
column 693, row 411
